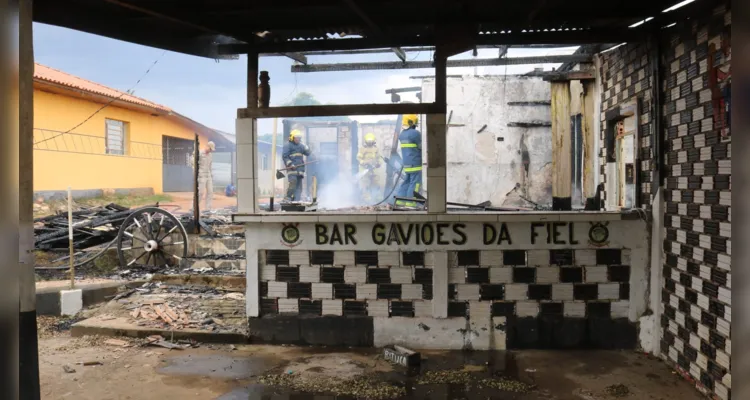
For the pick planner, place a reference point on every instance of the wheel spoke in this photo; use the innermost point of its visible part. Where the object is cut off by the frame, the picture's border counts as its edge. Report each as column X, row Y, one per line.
column 146, row 232
column 168, row 233
column 137, row 258
column 134, row 237
column 148, row 258
column 158, row 231
column 177, row 257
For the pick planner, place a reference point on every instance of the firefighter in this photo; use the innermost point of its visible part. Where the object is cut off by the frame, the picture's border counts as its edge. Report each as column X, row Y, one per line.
column 293, row 157
column 205, row 178
column 411, row 155
column 369, row 158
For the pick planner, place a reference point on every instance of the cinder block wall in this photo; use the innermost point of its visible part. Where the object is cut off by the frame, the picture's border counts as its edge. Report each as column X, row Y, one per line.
column 486, row 158
column 696, row 284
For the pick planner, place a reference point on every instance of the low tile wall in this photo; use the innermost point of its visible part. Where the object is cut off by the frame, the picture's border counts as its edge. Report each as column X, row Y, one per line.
column 469, row 285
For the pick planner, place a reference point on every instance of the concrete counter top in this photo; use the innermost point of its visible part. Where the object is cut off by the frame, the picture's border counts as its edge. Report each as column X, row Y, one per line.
column 405, row 216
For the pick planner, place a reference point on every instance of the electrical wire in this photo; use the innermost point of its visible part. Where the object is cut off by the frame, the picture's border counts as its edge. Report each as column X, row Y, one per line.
column 107, row 104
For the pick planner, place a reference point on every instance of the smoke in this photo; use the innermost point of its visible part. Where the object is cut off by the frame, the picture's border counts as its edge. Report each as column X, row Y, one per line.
column 341, row 192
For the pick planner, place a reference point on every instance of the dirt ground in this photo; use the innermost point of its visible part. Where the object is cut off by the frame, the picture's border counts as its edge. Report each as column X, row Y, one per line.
column 226, row 372
column 183, row 202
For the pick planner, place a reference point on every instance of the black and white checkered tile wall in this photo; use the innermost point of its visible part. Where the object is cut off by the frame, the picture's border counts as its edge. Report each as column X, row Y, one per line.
column 532, row 283
column 696, row 296
column 626, row 75
column 696, row 292
column 522, row 283
column 372, row 283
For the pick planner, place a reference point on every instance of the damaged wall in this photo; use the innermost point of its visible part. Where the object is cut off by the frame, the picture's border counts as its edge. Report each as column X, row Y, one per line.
column 695, row 292
column 487, row 159
column 626, row 75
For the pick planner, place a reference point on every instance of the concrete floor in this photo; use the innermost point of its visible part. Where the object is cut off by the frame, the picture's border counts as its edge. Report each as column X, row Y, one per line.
column 221, row 372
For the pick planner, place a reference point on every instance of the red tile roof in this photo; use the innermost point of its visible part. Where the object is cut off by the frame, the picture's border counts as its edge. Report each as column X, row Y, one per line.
column 47, row 74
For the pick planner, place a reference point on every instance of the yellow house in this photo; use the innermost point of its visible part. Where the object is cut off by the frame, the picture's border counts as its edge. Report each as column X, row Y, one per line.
column 94, row 138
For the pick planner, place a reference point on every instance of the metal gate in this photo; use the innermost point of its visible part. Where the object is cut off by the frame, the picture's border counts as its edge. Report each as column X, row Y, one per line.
column 177, row 173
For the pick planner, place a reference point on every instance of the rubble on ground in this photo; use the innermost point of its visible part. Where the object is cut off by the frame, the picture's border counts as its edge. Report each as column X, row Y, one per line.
column 360, row 209
column 160, row 306
column 359, row 387
column 465, row 378
column 48, row 326
column 93, row 226
column 617, row 390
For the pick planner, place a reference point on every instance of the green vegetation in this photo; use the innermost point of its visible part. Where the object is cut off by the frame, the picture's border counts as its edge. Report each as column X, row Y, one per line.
column 125, row 200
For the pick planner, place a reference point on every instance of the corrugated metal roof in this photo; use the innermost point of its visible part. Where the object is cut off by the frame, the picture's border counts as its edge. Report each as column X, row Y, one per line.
column 197, row 27
column 47, row 74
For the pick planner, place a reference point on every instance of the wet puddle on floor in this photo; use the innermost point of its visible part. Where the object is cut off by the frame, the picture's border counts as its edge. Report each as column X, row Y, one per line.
column 216, row 366
column 453, row 375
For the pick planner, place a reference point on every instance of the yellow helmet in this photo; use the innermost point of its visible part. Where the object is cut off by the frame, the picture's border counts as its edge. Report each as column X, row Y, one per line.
column 370, row 138
column 295, row 133
column 409, row 120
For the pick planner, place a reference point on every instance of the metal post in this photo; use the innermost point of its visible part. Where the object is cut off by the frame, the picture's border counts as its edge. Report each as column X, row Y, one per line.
column 70, row 240
column 196, row 194
column 273, row 161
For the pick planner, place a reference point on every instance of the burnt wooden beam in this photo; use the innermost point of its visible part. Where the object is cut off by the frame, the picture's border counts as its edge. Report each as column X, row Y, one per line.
column 570, row 76
column 530, row 103
column 558, row 37
column 421, row 48
column 299, row 57
column 341, row 110
column 450, row 63
column 561, row 147
column 530, row 124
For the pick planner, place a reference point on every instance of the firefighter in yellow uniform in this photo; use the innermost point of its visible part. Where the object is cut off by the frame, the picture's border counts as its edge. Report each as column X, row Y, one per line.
column 369, row 158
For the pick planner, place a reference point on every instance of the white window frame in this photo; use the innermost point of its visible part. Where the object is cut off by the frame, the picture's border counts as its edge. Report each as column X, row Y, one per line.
column 110, row 128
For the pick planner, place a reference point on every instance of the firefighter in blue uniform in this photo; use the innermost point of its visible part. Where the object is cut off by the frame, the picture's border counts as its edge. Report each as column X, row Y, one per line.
column 293, row 157
column 411, row 155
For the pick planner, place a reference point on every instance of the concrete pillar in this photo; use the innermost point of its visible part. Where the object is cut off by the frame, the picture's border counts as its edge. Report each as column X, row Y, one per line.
column 28, row 345
column 247, row 173
column 651, row 324
column 439, row 284
column 436, row 162
column 252, row 291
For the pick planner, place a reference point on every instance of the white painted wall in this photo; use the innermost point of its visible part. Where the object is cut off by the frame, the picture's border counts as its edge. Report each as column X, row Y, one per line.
column 480, row 167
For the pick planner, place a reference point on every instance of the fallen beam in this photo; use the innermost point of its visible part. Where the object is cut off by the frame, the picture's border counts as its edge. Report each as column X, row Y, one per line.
column 450, row 63
column 341, row 110
column 299, row 57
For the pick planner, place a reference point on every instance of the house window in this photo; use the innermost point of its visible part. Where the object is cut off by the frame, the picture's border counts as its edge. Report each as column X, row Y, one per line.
column 264, row 163
column 115, row 137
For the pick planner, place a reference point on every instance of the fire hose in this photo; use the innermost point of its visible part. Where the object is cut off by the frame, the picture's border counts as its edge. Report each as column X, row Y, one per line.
column 395, row 182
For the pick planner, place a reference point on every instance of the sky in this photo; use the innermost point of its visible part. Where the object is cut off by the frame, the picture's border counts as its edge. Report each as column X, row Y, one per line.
column 210, row 91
